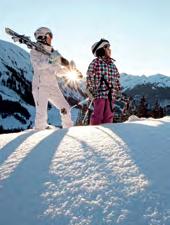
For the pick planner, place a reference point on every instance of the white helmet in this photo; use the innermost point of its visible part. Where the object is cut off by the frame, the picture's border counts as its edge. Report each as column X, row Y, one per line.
column 41, row 33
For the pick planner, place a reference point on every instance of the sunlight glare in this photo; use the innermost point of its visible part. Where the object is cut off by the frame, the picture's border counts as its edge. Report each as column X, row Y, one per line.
column 72, row 75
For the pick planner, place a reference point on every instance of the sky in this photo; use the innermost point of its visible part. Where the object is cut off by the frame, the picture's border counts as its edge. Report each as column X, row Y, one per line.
column 108, row 174
column 138, row 31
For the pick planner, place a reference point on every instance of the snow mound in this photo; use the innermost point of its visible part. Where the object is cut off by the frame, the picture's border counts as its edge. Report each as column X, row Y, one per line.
column 133, row 118
column 109, row 174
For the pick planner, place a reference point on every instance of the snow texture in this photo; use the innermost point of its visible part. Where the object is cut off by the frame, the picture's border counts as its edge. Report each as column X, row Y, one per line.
column 94, row 175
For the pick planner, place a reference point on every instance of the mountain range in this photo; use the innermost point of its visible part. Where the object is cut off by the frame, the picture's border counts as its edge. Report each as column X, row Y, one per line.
column 17, row 109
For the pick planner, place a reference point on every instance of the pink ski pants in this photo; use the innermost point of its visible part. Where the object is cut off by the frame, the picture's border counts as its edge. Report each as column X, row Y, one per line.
column 102, row 112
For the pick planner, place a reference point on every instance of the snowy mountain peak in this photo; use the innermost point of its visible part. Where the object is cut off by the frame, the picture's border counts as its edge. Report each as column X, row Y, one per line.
column 130, row 81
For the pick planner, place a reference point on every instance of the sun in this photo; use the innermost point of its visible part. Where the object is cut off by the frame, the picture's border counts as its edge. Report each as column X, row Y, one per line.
column 73, row 77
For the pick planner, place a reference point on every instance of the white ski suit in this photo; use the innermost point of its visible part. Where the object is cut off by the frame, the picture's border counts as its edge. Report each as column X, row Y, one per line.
column 45, row 88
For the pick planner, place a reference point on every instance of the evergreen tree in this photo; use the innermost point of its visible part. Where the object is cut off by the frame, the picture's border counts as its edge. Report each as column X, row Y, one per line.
column 155, row 111
column 142, row 109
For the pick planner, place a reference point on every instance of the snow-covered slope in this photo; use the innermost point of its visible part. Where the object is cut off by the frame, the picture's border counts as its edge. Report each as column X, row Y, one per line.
column 15, row 57
column 154, row 88
column 17, row 106
column 96, row 175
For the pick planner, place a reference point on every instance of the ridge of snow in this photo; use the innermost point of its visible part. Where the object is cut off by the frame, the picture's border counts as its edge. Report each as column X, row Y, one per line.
column 108, row 174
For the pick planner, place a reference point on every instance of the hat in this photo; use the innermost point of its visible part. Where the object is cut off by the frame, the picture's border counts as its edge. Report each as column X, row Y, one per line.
column 98, row 45
column 41, row 33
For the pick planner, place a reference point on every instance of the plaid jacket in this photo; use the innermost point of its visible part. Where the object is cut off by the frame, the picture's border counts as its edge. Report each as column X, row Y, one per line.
column 103, row 67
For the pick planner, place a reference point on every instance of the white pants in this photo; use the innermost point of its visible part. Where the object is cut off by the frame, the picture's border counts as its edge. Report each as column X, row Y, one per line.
column 53, row 94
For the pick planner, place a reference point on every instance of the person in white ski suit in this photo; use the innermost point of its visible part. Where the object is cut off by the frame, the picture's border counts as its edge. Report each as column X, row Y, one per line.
column 45, row 85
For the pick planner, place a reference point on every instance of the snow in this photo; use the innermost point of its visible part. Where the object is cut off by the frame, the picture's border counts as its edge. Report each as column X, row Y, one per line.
column 128, row 81
column 107, row 174
column 15, row 57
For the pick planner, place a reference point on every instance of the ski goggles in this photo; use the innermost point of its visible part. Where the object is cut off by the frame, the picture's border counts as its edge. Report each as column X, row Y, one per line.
column 44, row 37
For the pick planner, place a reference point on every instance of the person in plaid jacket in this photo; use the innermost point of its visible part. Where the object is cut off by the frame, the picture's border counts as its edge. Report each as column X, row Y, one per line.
column 102, row 83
